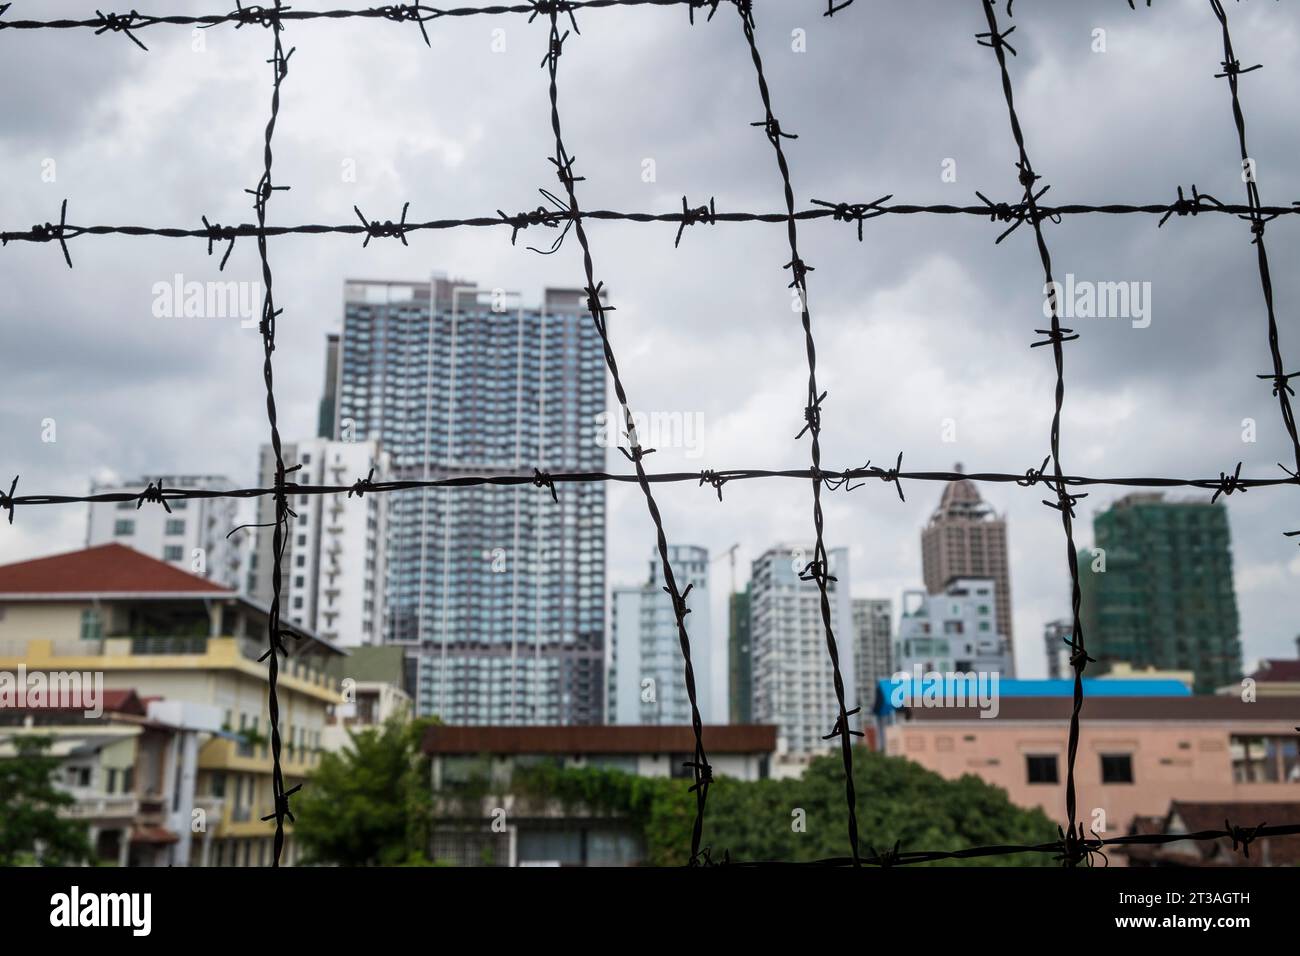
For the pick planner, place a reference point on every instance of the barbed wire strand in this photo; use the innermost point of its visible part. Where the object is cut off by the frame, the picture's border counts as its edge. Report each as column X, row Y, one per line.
column 1257, row 217
column 701, row 771
column 1073, row 847
column 818, row 569
column 854, row 213
column 1056, row 336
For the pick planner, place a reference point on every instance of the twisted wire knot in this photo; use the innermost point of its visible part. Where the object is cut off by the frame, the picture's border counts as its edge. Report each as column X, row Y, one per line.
column 262, row 193
column 855, row 212
column 887, row 858
column 121, row 23
column 362, row 485
column 7, row 500
column 1184, row 206
column 843, row 480
column 890, row 475
column 1079, row 659
column 1281, row 382
column 815, row 570
column 1054, row 336
column 704, row 857
column 1229, row 483
column 812, row 414
column 215, row 232
column 554, row 49
column 691, row 216
column 635, row 453
column 1034, row 475
column 680, row 610
column 383, row 230
column 49, row 232
column 1073, row 848
column 255, row 14
column 282, row 810
column 543, row 479
column 703, row 773
column 548, row 8
column 1257, row 222
column 696, row 4
column 1232, row 68
column 714, row 479
column 154, row 495
column 1242, row 837
column 841, row 726
column 799, row 272
column 400, row 12
column 772, row 128
column 1065, row 501
column 992, row 39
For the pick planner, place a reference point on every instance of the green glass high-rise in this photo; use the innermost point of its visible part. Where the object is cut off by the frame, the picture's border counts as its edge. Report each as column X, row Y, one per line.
column 740, row 664
column 1166, row 596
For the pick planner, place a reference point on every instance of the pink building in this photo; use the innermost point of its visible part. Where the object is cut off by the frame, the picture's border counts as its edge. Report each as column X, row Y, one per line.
column 1136, row 754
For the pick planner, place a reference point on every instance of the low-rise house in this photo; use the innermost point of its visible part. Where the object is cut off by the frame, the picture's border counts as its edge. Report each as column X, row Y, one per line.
column 473, row 770
column 1135, row 756
column 1186, row 816
column 123, row 760
column 144, row 625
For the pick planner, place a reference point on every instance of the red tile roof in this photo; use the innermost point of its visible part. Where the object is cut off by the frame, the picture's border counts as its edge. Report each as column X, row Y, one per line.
column 601, row 739
column 112, row 702
column 1278, row 670
column 104, row 569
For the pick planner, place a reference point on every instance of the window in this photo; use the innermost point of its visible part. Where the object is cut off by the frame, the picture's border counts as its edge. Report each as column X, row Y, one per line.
column 173, row 552
column 1042, row 768
column 175, row 526
column 92, row 628
column 123, row 527
column 1116, row 768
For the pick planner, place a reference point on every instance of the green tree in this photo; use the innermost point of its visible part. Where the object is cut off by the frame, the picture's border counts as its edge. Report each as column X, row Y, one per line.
column 805, row 818
column 369, row 804
column 31, row 829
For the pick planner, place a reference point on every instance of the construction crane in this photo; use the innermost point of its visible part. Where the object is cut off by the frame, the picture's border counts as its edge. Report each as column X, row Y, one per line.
column 731, row 554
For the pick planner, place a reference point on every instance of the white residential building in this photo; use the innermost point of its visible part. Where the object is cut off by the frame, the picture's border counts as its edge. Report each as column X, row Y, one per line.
column 192, row 536
column 793, row 677
column 873, row 629
column 332, row 571
column 955, row 631
column 646, row 680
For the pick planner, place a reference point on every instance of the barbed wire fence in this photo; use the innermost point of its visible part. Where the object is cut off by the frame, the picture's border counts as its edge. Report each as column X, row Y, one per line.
column 564, row 213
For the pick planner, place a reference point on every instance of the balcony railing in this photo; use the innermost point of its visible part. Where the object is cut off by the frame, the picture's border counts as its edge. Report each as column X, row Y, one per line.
column 99, row 806
column 169, row 645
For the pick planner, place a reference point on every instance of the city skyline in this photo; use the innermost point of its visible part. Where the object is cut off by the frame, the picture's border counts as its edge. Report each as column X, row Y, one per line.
column 914, row 325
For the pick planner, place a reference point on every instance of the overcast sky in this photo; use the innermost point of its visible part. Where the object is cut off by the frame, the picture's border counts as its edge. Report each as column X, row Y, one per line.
column 925, row 321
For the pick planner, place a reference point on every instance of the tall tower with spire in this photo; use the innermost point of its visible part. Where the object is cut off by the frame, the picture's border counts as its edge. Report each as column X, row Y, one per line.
column 966, row 538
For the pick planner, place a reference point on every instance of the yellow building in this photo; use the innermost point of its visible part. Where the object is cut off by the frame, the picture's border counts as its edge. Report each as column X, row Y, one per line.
column 149, row 627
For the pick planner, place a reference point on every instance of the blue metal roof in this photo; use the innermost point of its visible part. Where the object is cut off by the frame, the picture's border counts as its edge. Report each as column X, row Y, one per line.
column 1011, row 687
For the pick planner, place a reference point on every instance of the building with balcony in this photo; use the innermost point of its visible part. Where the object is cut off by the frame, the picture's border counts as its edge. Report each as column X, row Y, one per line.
column 794, row 684
column 534, row 830
column 332, row 569
column 497, row 593
column 149, row 627
column 646, row 677
column 131, row 767
column 955, row 631
column 370, row 682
